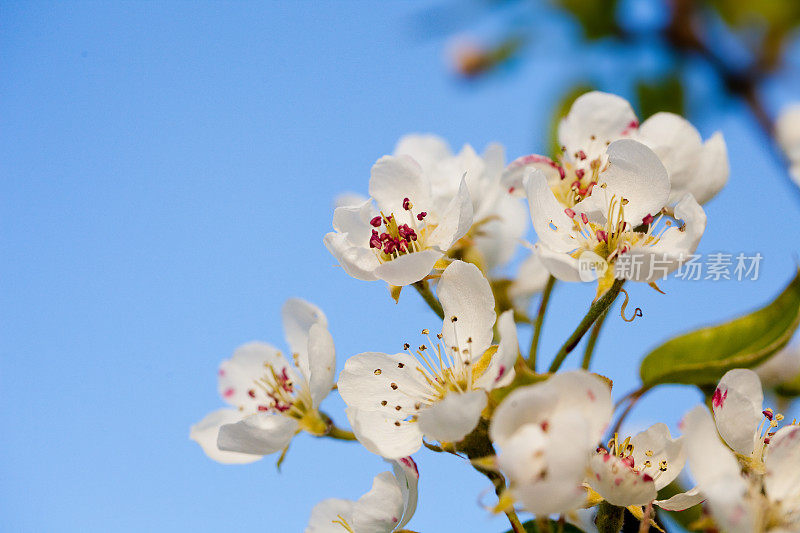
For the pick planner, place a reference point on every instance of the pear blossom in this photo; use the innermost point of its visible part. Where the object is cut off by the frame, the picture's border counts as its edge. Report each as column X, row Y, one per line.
column 440, row 389
column 401, row 240
column 753, row 483
column 387, row 507
column 787, row 131
column 499, row 219
column 631, row 472
column 616, row 220
column 547, row 433
column 760, row 500
column 595, row 121
column 270, row 399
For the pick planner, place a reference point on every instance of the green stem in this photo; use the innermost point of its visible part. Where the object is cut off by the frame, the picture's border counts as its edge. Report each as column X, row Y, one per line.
column 537, row 325
column 427, row 294
column 587, row 354
column 335, row 432
column 599, row 307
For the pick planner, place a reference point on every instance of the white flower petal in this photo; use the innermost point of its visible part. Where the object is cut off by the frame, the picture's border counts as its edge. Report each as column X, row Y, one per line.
column 379, row 382
column 497, row 240
column 408, row 268
column 682, row 501
column 709, row 459
column 298, row 317
column 604, row 116
column 618, row 483
column 737, row 404
column 547, row 466
column 531, row 278
column 259, row 434
column 327, row 512
column 732, row 511
column 321, row 363
column 466, row 295
column 532, row 404
column 452, row 418
column 395, row 178
column 584, row 392
column 787, row 131
column 637, row 175
column 381, row 509
column 389, row 438
column 205, row 434
column 237, row 375
column 655, row 444
column 678, row 144
column 353, row 221
column 358, row 261
column 782, row 479
column 407, row 474
column 781, row 367
column 425, row 149
column 550, row 222
column 562, row 266
column 514, row 175
column 712, row 171
column 500, row 371
column 455, row 220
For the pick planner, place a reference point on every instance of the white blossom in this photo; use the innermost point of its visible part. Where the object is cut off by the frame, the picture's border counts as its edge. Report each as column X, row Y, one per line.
column 270, row 399
column 499, row 219
column 439, row 389
column 547, row 433
column 753, row 483
column 616, row 220
column 387, row 507
column 401, row 240
column 780, row 368
column 595, row 121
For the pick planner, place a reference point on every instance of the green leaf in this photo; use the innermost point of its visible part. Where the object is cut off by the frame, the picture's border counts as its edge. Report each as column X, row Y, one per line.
column 531, row 527
column 790, row 389
column 598, row 17
column 663, row 95
column 703, row 356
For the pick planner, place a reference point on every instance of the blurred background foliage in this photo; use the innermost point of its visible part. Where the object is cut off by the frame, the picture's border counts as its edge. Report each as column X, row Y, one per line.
column 744, row 43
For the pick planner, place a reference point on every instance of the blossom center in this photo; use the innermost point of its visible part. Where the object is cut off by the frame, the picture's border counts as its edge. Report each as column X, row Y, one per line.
column 390, row 239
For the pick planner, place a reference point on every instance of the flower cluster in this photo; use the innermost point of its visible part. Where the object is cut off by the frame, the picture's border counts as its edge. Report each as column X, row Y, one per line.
column 449, row 224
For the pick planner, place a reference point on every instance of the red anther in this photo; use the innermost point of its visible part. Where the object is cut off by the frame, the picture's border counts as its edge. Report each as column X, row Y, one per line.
column 422, row 215
column 251, row 393
column 647, row 220
column 576, row 184
column 263, row 408
column 628, row 461
column 768, row 413
column 544, row 425
column 407, row 204
column 647, row 477
column 375, row 222
column 581, row 155
column 633, row 124
column 766, row 440
column 584, row 218
column 718, row 399
column 600, row 449
column 512, row 189
column 375, row 240
column 601, row 235
column 580, row 173
column 561, row 172
column 570, row 213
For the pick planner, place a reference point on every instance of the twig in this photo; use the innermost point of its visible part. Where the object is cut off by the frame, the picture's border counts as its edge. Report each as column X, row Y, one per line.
column 427, row 294
column 587, row 354
column 537, row 325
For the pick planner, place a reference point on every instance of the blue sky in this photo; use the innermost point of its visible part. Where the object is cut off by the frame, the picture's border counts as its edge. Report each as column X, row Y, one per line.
column 168, row 174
